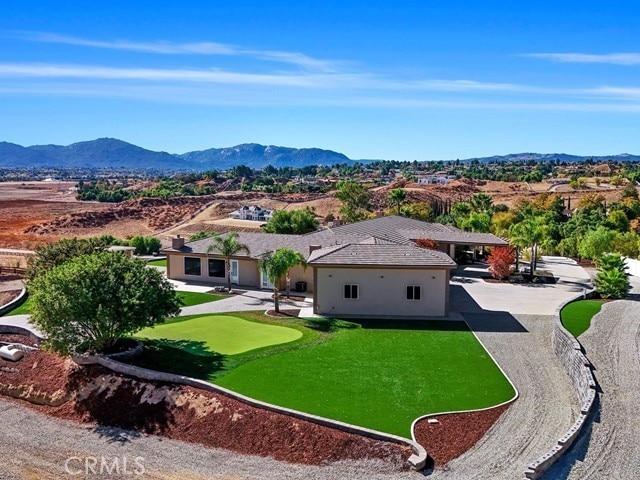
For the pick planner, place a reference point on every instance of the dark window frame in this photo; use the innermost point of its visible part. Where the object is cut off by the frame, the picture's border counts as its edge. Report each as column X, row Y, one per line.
column 349, row 289
column 190, row 269
column 414, row 293
column 223, row 270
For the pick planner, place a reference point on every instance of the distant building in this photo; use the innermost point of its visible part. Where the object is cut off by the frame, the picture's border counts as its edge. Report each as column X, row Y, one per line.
column 253, row 212
column 603, row 169
column 436, row 179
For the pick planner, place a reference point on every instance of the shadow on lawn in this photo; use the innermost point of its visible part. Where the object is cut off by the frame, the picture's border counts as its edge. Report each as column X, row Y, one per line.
column 182, row 357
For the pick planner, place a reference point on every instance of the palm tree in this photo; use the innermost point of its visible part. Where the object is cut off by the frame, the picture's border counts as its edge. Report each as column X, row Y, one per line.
column 529, row 233
column 398, row 197
column 228, row 247
column 481, row 202
column 277, row 264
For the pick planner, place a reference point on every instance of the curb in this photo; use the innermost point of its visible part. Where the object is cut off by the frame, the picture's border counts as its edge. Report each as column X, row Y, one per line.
column 417, row 460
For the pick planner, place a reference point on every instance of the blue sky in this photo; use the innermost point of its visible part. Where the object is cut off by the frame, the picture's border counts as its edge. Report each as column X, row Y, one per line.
column 396, row 80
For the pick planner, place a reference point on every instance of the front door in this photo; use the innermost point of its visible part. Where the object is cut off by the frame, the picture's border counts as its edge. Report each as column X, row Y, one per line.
column 234, row 271
column 264, row 281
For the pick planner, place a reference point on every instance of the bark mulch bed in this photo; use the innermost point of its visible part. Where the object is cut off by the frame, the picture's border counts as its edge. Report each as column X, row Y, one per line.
column 6, row 297
column 455, row 433
column 16, row 338
column 285, row 313
column 193, row 415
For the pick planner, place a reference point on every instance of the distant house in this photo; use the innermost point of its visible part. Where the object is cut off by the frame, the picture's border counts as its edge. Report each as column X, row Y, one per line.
column 603, row 169
column 436, row 179
column 368, row 269
column 253, row 212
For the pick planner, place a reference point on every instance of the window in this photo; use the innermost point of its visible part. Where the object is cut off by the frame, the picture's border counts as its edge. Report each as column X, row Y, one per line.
column 414, row 292
column 351, row 291
column 191, row 266
column 216, row 268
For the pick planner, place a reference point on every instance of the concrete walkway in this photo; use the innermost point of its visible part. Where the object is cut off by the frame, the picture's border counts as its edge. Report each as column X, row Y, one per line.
column 528, row 299
column 247, row 301
column 20, row 321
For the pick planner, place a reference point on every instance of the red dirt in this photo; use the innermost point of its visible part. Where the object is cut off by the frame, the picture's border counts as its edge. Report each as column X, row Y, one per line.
column 455, row 433
column 192, row 415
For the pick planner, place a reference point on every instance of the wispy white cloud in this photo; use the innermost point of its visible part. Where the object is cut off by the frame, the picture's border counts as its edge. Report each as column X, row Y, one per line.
column 303, row 80
column 302, row 88
column 628, row 59
column 174, row 48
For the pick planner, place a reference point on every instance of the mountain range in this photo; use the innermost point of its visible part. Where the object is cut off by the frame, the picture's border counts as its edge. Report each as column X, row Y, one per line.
column 112, row 153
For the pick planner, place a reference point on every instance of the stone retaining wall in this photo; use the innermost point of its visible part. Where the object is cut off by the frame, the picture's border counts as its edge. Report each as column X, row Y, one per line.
column 579, row 369
column 417, row 460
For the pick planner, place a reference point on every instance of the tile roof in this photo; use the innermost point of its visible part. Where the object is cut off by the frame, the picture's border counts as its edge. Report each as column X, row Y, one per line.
column 382, row 255
column 391, row 231
column 403, row 230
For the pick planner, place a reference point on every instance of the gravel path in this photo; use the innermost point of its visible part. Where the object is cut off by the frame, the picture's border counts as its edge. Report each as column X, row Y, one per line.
column 610, row 448
column 547, row 405
column 40, row 445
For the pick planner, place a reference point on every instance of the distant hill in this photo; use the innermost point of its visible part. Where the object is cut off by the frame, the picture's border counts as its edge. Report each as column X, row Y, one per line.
column 259, row 156
column 548, row 157
column 113, row 153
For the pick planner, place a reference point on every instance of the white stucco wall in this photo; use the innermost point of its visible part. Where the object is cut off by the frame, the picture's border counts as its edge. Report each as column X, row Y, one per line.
column 382, row 292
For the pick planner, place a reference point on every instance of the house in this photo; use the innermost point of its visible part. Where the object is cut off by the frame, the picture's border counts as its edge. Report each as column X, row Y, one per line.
column 368, row 269
column 438, row 179
column 253, row 212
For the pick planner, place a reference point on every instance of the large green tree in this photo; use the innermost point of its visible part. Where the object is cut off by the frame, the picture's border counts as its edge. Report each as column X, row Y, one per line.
column 228, row 246
column 276, row 265
column 295, row 222
column 596, row 243
column 355, row 198
column 87, row 303
column 53, row 254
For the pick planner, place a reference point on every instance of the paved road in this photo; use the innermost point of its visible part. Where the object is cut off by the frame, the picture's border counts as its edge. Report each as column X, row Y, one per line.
column 610, row 448
column 35, row 447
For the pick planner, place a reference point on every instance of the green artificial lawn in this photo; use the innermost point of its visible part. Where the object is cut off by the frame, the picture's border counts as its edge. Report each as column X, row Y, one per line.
column 23, row 309
column 576, row 316
column 189, row 299
column 219, row 334
column 196, row 298
column 380, row 375
column 161, row 262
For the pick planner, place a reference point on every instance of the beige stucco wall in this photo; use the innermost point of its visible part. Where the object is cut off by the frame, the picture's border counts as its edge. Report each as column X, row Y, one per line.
column 249, row 275
column 248, row 270
column 382, row 292
column 299, row 274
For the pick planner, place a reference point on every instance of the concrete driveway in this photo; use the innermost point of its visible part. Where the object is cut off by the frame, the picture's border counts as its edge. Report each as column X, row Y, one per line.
column 469, row 292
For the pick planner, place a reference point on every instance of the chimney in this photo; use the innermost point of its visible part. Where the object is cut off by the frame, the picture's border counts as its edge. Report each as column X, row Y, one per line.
column 379, row 214
column 177, row 243
column 313, row 248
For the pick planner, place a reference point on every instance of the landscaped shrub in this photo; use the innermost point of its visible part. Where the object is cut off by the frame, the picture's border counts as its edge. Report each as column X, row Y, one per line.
column 427, row 243
column 612, row 281
column 145, row 245
column 500, row 262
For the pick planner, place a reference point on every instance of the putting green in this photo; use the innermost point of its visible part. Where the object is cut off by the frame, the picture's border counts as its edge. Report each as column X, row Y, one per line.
column 224, row 334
